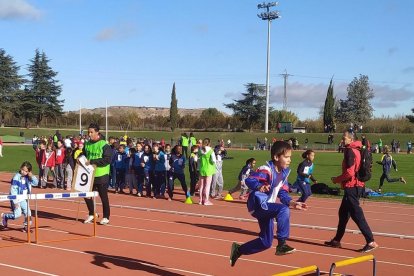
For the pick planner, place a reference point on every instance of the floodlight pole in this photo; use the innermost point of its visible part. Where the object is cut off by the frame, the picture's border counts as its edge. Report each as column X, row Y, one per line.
column 269, row 16
column 267, row 77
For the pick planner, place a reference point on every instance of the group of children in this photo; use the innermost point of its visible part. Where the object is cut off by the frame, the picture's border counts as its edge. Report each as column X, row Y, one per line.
column 153, row 168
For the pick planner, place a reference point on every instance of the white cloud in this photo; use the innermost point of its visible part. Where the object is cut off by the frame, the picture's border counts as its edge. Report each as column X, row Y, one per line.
column 115, row 33
column 307, row 99
column 18, row 9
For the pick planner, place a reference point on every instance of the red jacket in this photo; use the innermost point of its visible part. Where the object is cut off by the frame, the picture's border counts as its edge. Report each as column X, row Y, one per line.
column 49, row 162
column 60, row 156
column 350, row 166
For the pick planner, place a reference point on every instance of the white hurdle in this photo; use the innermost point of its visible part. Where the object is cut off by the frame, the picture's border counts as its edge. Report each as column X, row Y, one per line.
column 49, row 196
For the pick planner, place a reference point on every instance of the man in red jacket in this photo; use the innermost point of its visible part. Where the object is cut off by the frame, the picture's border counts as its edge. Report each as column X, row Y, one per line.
column 353, row 190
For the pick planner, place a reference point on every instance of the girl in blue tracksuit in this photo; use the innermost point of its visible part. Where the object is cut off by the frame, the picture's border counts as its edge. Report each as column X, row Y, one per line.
column 305, row 171
column 177, row 163
column 148, row 166
column 268, row 183
column 21, row 184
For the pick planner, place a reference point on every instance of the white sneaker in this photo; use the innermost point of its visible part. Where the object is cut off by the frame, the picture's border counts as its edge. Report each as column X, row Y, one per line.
column 89, row 219
column 104, row 221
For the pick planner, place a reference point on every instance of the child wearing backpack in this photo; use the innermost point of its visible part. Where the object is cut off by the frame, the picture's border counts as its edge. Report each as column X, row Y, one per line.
column 305, row 171
column 387, row 161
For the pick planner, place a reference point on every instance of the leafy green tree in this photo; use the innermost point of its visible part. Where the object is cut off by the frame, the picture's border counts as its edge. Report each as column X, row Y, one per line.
column 410, row 117
column 211, row 118
column 329, row 108
column 356, row 108
column 10, row 84
column 173, row 110
column 278, row 116
column 44, row 88
column 251, row 108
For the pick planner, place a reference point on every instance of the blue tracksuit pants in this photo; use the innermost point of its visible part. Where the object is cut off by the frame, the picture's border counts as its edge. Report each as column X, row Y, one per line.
column 265, row 218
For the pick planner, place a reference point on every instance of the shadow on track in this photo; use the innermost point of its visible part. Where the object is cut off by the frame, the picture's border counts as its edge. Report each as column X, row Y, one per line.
column 100, row 259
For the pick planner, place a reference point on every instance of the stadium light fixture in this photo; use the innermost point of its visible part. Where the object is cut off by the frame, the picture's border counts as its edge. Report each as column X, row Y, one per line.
column 269, row 16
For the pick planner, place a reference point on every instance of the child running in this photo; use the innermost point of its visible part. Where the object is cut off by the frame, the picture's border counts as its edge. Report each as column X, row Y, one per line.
column 387, row 161
column 267, row 184
column 305, row 170
column 244, row 173
column 21, row 184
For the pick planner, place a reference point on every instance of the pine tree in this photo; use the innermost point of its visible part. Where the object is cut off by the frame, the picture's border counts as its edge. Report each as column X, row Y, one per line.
column 329, row 111
column 173, row 110
column 10, row 84
column 44, row 88
column 251, row 109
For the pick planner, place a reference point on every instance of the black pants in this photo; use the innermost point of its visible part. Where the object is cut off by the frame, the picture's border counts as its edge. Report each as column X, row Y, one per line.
column 350, row 208
column 101, row 186
column 387, row 176
column 193, row 181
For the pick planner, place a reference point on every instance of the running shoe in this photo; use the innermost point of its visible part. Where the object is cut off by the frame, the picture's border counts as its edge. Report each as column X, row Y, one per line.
column 104, row 221
column 234, row 253
column 369, row 247
column 89, row 219
column 333, row 243
column 284, row 249
column 3, row 220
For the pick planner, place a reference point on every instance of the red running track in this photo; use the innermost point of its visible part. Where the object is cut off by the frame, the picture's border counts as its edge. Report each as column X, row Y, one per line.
column 157, row 237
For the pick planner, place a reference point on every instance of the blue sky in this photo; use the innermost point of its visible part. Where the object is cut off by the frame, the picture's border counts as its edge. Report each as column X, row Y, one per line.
column 130, row 52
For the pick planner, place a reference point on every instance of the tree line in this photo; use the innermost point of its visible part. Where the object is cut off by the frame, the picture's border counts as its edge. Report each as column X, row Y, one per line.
column 30, row 98
column 33, row 99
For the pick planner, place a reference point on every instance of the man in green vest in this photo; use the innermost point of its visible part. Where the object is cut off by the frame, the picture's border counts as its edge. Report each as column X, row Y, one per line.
column 184, row 144
column 193, row 140
column 98, row 153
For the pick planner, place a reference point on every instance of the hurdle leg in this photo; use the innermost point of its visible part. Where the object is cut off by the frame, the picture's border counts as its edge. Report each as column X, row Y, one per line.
column 36, row 224
column 95, row 218
column 77, row 213
column 28, row 226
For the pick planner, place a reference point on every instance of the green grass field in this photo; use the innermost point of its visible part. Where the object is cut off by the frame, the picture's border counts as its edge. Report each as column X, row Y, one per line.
column 327, row 164
column 238, row 139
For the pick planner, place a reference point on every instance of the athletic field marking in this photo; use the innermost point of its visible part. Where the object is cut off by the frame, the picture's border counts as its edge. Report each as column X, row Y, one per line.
column 376, row 219
column 121, row 259
column 27, row 269
column 355, row 231
column 349, row 243
column 191, row 251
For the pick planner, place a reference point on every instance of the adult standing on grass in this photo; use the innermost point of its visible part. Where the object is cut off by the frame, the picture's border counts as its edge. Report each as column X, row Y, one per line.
column 353, row 190
column 98, row 153
column 268, row 183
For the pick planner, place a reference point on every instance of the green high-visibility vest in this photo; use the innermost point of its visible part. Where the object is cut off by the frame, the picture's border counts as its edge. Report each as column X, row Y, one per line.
column 207, row 167
column 193, row 141
column 184, row 141
column 95, row 151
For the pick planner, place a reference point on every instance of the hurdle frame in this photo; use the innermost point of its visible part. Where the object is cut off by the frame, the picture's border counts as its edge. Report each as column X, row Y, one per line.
column 354, row 261
column 93, row 195
column 56, row 196
column 300, row 271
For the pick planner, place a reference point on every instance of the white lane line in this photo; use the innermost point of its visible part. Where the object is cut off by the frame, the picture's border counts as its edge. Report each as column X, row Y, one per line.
column 306, row 226
column 192, row 251
column 27, row 269
column 123, row 259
